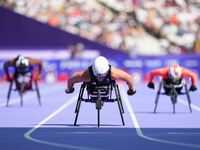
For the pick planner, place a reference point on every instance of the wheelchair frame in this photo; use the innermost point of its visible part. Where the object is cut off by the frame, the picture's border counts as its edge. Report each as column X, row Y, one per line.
column 98, row 101
column 21, row 91
column 173, row 94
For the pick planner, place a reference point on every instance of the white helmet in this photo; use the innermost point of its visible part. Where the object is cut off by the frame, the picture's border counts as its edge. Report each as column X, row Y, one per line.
column 175, row 72
column 100, row 66
column 22, row 63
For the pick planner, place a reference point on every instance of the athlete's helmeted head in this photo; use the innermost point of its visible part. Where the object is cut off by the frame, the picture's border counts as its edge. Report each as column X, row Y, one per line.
column 175, row 72
column 100, row 66
column 22, row 63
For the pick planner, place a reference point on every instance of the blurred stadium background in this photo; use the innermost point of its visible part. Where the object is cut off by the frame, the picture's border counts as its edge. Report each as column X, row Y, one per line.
column 135, row 35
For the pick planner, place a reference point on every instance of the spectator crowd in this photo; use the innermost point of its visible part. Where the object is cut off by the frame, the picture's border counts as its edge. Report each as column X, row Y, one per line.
column 138, row 27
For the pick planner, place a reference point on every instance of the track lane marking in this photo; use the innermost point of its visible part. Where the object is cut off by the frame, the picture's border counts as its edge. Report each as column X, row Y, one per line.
column 27, row 135
column 139, row 131
column 31, row 95
column 186, row 103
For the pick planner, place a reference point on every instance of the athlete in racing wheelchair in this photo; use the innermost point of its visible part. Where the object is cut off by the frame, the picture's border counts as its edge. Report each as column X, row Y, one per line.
column 172, row 82
column 99, row 81
column 23, row 75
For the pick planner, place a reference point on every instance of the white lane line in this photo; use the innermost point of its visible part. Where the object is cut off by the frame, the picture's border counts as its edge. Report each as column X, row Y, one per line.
column 138, row 129
column 65, row 105
column 186, row 103
column 33, row 94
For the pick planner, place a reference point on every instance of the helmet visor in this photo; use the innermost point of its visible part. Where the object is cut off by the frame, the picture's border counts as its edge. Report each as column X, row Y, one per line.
column 101, row 75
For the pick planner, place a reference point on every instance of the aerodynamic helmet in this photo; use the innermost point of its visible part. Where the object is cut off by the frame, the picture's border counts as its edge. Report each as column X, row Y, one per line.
column 100, row 66
column 22, row 63
column 175, row 72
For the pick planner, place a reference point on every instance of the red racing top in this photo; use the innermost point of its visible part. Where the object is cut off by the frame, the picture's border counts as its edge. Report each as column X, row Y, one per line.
column 164, row 73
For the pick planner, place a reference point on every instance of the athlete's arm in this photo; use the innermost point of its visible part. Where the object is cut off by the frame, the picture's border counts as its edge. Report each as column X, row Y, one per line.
column 122, row 75
column 188, row 73
column 38, row 62
column 78, row 77
column 10, row 63
column 158, row 72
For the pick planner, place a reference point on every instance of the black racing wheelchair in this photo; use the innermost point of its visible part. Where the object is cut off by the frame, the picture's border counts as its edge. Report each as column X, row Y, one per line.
column 99, row 95
column 174, row 92
column 22, row 88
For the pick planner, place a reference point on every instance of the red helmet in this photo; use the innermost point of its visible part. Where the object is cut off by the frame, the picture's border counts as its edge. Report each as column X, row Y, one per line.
column 174, row 72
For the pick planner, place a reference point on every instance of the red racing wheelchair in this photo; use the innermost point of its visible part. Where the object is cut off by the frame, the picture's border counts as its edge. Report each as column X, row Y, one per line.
column 173, row 94
column 23, row 87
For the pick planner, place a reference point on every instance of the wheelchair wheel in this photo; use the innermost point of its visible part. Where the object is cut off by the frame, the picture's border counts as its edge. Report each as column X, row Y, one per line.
column 77, row 110
column 98, row 105
column 120, row 100
column 98, row 116
column 174, row 97
column 188, row 97
column 98, row 101
column 38, row 93
column 78, row 105
column 80, row 97
column 9, row 92
column 21, row 91
column 157, row 97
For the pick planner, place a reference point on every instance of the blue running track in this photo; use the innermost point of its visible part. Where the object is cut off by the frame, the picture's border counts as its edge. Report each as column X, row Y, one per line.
column 50, row 126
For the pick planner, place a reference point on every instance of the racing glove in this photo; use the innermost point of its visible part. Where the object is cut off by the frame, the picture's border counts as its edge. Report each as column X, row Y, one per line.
column 193, row 88
column 131, row 92
column 71, row 90
column 151, row 85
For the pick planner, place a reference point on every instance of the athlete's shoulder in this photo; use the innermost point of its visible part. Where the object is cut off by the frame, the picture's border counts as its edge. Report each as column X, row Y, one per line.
column 11, row 62
column 85, row 75
column 117, row 73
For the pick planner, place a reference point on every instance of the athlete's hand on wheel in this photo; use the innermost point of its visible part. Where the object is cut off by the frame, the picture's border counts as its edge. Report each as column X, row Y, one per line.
column 131, row 92
column 151, row 85
column 68, row 91
column 193, row 88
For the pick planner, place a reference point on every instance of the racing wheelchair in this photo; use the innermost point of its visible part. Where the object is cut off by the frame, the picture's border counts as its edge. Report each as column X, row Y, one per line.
column 22, row 87
column 173, row 93
column 99, row 95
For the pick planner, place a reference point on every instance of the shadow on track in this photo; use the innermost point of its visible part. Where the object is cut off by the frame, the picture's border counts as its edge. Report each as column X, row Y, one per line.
column 142, row 112
column 83, row 125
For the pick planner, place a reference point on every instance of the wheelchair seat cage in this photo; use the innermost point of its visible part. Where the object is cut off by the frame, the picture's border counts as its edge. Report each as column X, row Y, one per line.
column 173, row 93
column 21, row 88
column 99, row 95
